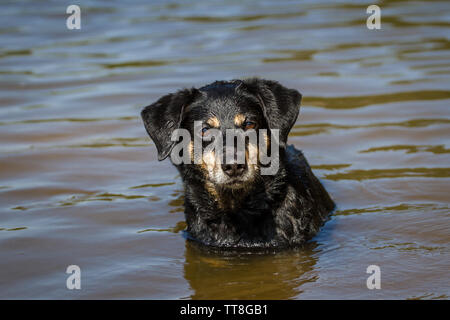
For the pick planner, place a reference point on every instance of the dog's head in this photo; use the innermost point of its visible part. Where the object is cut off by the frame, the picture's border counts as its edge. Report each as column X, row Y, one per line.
column 239, row 106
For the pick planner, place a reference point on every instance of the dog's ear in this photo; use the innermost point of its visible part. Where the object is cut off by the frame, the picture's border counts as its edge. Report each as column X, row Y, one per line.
column 164, row 116
column 280, row 105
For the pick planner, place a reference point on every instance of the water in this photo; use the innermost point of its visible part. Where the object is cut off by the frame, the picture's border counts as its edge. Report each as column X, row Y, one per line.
column 80, row 183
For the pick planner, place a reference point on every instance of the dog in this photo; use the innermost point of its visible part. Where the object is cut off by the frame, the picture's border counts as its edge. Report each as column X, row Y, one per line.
column 234, row 205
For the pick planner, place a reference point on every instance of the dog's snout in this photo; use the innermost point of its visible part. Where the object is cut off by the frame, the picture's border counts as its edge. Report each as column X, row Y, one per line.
column 233, row 170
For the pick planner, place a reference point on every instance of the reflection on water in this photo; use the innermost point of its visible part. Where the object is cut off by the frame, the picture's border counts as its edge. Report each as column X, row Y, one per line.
column 80, row 182
column 233, row 275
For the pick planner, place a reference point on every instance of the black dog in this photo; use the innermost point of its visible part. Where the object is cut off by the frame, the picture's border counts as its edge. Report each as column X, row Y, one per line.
column 234, row 205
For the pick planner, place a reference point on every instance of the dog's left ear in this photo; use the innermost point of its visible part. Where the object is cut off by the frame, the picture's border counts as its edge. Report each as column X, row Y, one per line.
column 280, row 105
column 164, row 116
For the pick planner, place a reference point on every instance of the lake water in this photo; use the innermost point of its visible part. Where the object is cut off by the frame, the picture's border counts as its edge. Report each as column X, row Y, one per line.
column 80, row 183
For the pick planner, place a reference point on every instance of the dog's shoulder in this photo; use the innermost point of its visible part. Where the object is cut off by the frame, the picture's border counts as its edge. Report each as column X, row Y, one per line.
column 303, row 179
column 296, row 163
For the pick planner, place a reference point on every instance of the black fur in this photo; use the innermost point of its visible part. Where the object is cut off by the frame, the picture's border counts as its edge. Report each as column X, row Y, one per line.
column 281, row 210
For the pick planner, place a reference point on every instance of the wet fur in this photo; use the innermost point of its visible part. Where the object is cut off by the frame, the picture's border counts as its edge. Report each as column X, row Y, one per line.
column 268, row 211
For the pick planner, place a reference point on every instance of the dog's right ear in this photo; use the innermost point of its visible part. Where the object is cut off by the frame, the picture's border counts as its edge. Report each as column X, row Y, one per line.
column 164, row 116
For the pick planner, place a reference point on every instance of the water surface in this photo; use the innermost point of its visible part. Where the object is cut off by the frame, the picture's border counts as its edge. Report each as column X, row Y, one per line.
column 80, row 183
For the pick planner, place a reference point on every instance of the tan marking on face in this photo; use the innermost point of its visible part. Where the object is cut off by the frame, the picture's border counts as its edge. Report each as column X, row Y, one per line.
column 211, row 168
column 212, row 190
column 266, row 139
column 210, row 165
column 191, row 150
column 239, row 119
column 267, row 142
column 209, row 160
column 213, row 122
column 252, row 160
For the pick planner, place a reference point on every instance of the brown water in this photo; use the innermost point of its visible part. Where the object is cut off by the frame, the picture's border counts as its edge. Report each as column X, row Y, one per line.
column 80, row 183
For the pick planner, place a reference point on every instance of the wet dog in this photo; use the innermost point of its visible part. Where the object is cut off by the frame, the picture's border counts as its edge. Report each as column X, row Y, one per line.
column 232, row 204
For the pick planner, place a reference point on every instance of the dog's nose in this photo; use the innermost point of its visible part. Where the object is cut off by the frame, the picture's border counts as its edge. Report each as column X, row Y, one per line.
column 233, row 170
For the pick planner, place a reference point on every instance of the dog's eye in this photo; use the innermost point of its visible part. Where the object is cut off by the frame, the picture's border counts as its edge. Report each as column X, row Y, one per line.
column 249, row 125
column 204, row 130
